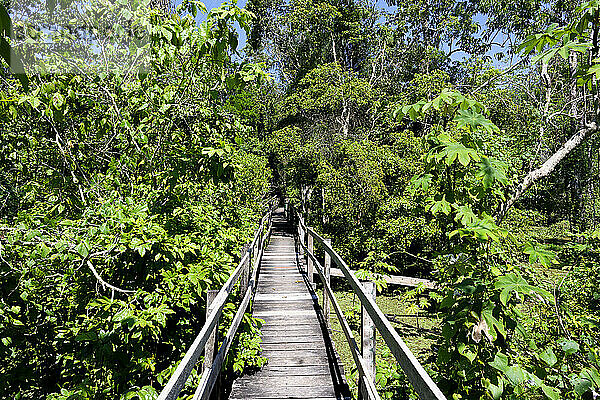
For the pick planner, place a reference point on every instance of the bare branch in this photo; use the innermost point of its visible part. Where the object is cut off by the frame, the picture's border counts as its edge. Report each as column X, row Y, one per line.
column 104, row 283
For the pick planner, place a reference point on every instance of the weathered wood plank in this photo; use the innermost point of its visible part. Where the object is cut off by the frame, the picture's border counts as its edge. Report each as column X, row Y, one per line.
column 284, row 297
column 318, row 380
column 272, row 398
column 304, row 354
column 285, row 392
column 295, row 370
column 302, row 305
column 293, row 346
column 283, row 337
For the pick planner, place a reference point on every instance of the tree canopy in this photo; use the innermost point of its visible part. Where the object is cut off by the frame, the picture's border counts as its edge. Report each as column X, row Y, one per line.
column 450, row 140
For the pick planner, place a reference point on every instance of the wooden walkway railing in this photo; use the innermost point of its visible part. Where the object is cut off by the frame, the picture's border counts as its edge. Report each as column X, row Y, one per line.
column 245, row 273
column 365, row 359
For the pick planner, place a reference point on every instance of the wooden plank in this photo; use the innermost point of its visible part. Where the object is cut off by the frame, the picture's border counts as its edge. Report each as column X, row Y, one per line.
column 283, row 338
column 287, row 314
column 211, row 345
column 279, row 398
column 323, row 380
column 274, row 329
column 284, row 297
column 293, row 346
column 316, row 353
column 287, row 392
column 327, row 273
column 293, row 305
column 300, row 359
column 295, row 370
column 367, row 338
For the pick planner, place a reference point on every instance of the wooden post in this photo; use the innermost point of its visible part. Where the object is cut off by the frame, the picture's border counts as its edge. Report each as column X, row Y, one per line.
column 310, row 270
column 245, row 278
column 367, row 335
column 327, row 272
column 211, row 344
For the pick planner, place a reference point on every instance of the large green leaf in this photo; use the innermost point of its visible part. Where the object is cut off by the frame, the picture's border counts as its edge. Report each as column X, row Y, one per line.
column 465, row 215
column 490, row 171
column 515, row 283
column 442, row 205
column 495, row 391
column 473, row 120
column 494, row 325
column 539, row 255
column 455, row 150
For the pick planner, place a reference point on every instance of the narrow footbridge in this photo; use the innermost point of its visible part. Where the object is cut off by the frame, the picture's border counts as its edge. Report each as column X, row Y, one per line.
column 275, row 280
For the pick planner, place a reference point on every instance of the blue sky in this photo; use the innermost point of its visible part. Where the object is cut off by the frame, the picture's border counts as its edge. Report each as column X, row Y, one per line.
column 480, row 19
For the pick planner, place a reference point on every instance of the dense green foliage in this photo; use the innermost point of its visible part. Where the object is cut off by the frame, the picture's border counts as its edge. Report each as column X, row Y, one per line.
column 127, row 192
column 124, row 197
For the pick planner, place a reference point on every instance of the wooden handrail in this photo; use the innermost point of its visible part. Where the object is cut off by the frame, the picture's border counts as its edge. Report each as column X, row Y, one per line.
column 418, row 377
column 358, row 359
column 184, row 368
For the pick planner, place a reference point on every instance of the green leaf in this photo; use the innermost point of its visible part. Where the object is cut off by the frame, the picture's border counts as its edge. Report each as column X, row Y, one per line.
column 490, row 171
column 594, row 69
column 569, row 346
column 44, row 250
column 515, row 283
column 122, row 315
column 464, row 350
column 465, row 215
column 500, row 362
column 421, row 182
column 539, row 255
column 495, row 391
column 473, row 120
column 515, row 375
column 548, row 357
column 494, row 325
column 145, row 393
column 456, row 150
column 551, row 393
column 441, row 205
column 581, row 385
column 58, row 100
column 86, row 336
column 83, row 249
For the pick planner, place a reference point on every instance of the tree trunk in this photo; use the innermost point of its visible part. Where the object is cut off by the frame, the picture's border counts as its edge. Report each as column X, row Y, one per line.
column 547, row 167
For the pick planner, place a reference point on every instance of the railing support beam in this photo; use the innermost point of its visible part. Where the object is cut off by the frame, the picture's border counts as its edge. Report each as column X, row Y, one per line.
column 311, row 268
column 327, row 273
column 209, row 349
column 367, row 335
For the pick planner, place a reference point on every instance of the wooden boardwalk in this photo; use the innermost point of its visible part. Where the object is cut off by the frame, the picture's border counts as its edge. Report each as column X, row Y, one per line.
column 302, row 363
